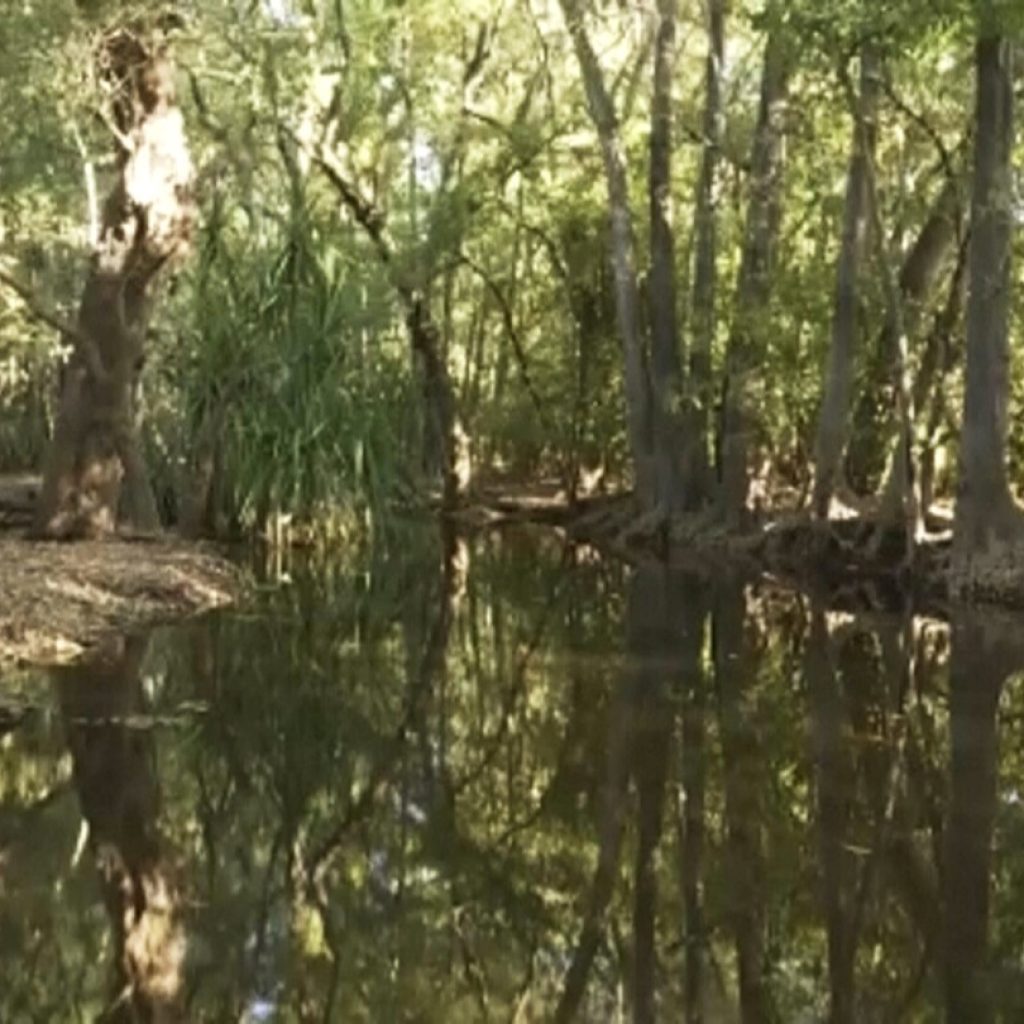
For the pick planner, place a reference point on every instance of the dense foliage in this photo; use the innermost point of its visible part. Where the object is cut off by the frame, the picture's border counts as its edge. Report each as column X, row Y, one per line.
column 279, row 351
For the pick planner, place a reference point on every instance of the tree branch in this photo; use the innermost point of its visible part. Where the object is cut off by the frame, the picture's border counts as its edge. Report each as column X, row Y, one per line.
column 37, row 311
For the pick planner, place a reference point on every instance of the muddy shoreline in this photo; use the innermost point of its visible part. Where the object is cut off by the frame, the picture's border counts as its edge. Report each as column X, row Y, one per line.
column 60, row 601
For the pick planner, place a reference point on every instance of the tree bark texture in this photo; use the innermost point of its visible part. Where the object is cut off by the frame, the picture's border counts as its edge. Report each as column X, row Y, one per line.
column 95, row 464
column 985, row 510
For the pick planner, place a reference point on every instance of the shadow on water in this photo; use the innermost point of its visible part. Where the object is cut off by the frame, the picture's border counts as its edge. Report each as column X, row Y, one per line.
column 496, row 779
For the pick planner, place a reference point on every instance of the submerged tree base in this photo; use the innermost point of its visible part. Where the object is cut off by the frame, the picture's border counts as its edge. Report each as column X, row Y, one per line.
column 61, row 600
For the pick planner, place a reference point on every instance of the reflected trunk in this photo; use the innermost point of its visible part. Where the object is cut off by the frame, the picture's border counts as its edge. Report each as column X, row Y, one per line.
column 114, row 764
column 651, row 647
column 736, row 655
column 693, row 616
column 978, row 669
column 833, row 783
column 613, row 807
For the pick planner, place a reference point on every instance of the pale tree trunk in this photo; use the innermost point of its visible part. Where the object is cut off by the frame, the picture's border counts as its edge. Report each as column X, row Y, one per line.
column 622, row 247
column 986, row 515
column 940, row 355
column 900, row 503
column 146, row 224
column 696, row 466
column 666, row 370
column 921, row 269
column 753, row 287
column 833, row 429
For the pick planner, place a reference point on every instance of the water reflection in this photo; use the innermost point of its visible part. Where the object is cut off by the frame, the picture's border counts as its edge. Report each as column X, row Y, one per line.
column 113, row 764
column 503, row 780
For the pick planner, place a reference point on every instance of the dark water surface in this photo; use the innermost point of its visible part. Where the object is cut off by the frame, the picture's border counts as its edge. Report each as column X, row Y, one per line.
column 515, row 782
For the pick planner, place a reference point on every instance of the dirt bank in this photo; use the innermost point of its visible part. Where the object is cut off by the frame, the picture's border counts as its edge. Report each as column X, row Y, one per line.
column 61, row 599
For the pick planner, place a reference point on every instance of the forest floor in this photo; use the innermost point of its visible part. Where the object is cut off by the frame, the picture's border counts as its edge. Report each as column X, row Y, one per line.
column 60, row 600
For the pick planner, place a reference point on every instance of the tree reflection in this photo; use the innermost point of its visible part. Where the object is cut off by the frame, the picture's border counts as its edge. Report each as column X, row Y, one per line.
column 113, row 757
column 441, row 785
column 985, row 652
column 737, row 652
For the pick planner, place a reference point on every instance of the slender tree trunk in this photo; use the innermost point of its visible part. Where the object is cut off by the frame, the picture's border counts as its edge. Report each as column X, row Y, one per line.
column 696, row 468
column 622, row 247
column 445, row 446
column 753, row 288
column 922, row 268
column 666, row 370
column 146, row 223
column 833, row 417
column 986, row 514
column 939, row 358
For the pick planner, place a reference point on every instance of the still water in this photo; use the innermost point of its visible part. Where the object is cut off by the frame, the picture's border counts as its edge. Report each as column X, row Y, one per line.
column 507, row 780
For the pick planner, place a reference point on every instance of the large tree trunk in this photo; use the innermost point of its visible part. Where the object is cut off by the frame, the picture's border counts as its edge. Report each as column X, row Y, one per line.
column 147, row 223
column 623, row 260
column 696, row 467
column 833, row 417
column 666, row 370
column 753, row 288
column 987, row 518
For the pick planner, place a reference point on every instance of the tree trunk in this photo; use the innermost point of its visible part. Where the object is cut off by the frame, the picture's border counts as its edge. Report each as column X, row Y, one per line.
column 986, row 514
column 623, row 260
column 922, row 267
column 147, row 223
column 832, row 419
column 696, row 469
column 666, row 370
column 753, row 287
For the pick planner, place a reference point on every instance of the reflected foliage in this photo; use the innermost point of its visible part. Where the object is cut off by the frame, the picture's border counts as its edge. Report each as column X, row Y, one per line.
column 493, row 778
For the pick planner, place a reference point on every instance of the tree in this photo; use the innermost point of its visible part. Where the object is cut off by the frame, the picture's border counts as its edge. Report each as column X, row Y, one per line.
column 753, row 286
column 832, row 431
column 622, row 250
column 988, row 522
column 696, row 470
column 666, row 371
column 146, row 226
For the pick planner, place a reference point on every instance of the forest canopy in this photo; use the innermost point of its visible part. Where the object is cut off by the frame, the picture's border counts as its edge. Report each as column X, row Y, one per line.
column 310, row 258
